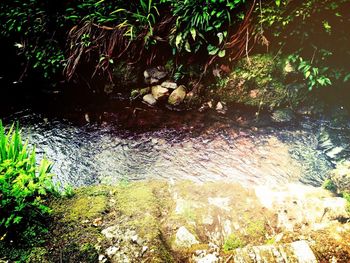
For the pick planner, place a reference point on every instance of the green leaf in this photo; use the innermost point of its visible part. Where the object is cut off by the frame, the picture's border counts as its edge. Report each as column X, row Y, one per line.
column 193, row 33
column 212, row 50
column 307, row 74
column 178, row 40
column 222, row 53
column 187, row 47
column 221, row 37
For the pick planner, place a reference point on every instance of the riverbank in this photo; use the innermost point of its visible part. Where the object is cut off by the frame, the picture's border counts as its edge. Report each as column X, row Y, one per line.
column 156, row 221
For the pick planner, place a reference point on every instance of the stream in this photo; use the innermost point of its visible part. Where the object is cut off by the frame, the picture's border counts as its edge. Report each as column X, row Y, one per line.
column 139, row 144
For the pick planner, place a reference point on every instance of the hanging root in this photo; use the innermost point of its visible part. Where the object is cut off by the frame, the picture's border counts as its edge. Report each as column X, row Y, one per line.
column 105, row 45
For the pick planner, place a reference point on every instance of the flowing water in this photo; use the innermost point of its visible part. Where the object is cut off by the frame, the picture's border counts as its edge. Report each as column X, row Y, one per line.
column 193, row 146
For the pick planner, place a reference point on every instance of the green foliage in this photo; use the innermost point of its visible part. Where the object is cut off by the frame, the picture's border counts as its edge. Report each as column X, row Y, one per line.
column 24, row 185
column 202, row 24
column 314, row 32
column 232, row 242
column 26, row 24
column 315, row 77
column 329, row 185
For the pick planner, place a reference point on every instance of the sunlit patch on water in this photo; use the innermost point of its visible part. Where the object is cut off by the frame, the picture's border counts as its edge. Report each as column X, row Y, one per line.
column 269, row 155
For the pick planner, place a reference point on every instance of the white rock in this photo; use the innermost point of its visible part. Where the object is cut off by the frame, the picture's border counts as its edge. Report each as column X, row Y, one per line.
column 303, row 252
column 184, row 238
column 144, row 249
column 221, row 108
column 169, row 85
column 149, row 99
column 111, row 232
column 111, row 251
column 210, row 258
column 159, row 92
column 102, row 259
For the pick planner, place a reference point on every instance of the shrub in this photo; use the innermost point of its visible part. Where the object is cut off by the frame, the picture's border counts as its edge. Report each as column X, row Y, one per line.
column 24, row 185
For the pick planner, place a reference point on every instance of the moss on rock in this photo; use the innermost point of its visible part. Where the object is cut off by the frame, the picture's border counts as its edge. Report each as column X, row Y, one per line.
column 262, row 81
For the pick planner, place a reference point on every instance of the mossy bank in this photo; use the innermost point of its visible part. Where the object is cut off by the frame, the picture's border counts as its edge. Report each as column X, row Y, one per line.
column 156, row 221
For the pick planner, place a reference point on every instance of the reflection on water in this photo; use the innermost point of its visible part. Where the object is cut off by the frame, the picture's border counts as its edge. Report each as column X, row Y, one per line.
column 222, row 149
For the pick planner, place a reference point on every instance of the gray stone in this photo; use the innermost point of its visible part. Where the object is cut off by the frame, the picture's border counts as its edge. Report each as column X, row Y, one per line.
column 184, row 238
column 169, row 85
column 159, row 92
column 149, row 99
column 155, row 73
column 177, row 96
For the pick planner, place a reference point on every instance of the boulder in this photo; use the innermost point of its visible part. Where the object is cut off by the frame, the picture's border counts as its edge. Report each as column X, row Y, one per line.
column 169, row 85
column 159, row 92
column 149, row 99
column 177, row 96
column 184, row 238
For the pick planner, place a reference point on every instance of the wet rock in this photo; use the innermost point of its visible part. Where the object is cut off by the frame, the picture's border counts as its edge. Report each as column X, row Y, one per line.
column 169, row 85
column 149, row 99
column 184, row 238
column 177, row 96
column 159, row 92
column 283, row 115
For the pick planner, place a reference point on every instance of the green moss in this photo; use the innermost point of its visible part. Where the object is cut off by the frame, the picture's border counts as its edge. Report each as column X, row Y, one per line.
column 261, row 82
column 256, row 229
column 138, row 202
column 232, row 242
column 87, row 204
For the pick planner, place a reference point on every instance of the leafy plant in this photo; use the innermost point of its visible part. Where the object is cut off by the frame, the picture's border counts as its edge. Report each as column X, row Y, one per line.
column 315, row 76
column 201, row 24
column 24, row 185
